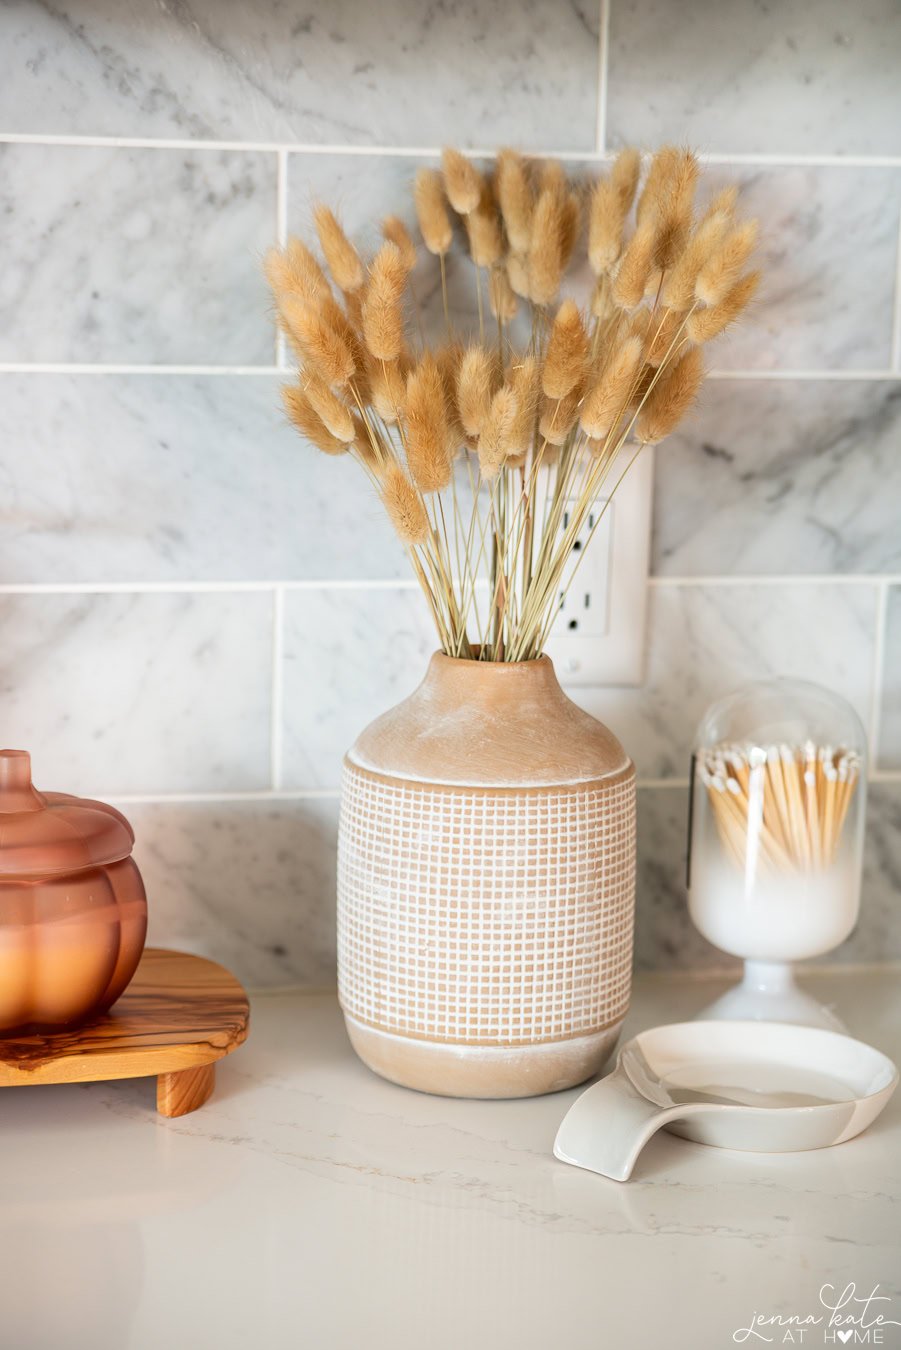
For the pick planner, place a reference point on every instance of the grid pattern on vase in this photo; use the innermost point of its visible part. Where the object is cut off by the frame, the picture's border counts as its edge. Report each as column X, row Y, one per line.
column 485, row 918
column 165, row 535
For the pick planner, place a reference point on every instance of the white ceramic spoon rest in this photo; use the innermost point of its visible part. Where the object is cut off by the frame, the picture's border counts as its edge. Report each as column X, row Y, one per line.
column 767, row 1087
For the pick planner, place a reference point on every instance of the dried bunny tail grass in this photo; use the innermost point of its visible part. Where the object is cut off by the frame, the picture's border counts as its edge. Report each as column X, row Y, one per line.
column 427, row 440
column 665, row 330
column 518, row 274
column 395, row 232
column 611, row 202
column 335, row 415
column 567, row 352
column 304, row 417
column 431, row 211
column 660, row 174
column 476, row 380
column 462, row 181
column 558, row 416
column 671, row 397
column 524, row 379
column 323, row 348
column 606, row 219
column 501, row 295
column 449, row 357
column 635, row 267
column 570, row 226
column 602, row 305
column 293, row 270
column 495, row 438
column 551, row 176
column 483, row 228
column 514, row 194
column 388, row 385
column 611, row 391
column 404, row 505
column 342, row 258
column 676, row 209
column 545, row 249
column 720, row 273
column 383, row 310
column 725, row 201
column 705, row 324
column 624, row 176
column 679, row 289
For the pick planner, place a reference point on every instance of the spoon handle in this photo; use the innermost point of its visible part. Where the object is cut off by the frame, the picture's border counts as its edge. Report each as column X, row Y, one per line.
column 607, row 1127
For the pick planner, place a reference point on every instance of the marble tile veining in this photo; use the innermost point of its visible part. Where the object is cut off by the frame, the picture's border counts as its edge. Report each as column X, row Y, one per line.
column 363, row 1214
column 809, row 76
column 194, row 478
column 177, row 278
column 890, row 711
column 705, row 641
column 252, row 884
column 348, row 656
column 782, row 477
column 828, row 250
column 249, row 884
column 338, row 72
column 143, row 693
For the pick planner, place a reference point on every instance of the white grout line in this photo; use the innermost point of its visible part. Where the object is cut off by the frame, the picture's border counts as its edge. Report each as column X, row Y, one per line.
column 281, row 234
column 212, row 798
column 600, row 143
column 878, row 671
column 334, row 794
column 278, row 621
column 785, row 579
column 896, row 328
column 410, row 151
column 803, row 375
column 105, row 368
column 203, row 587
column 398, row 584
column 121, row 368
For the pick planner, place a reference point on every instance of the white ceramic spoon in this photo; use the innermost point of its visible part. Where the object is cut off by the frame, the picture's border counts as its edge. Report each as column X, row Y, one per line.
column 767, row 1087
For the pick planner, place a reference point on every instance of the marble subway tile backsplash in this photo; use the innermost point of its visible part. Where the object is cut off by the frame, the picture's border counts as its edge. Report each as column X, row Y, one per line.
column 194, row 478
column 252, row 884
column 782, row 477
column 890, row 711
column 139, row 693
column 177, row 277
column 704, row 641
column 327, row 73
column 200, row 613
column 803, row 76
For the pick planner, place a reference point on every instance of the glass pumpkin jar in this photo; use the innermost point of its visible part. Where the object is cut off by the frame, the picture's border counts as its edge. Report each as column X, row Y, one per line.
column 776, row 848
column 73, row 912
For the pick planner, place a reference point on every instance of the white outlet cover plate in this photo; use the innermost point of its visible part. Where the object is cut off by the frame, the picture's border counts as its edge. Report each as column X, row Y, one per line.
column 610, row 649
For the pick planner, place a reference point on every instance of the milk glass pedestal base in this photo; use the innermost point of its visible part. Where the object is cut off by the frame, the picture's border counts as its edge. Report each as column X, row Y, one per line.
column 768, row 993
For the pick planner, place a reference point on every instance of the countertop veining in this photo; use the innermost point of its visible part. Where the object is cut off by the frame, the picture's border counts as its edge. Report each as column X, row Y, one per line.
column 312, row 1204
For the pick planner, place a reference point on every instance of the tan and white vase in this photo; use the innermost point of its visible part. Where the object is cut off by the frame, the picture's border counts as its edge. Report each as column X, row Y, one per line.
column 486, row 882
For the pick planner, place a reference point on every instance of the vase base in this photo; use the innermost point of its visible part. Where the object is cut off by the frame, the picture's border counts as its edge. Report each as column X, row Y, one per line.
column 486, row 1071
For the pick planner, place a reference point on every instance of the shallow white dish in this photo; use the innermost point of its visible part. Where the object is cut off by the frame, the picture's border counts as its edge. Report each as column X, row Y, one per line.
column 767, row 1087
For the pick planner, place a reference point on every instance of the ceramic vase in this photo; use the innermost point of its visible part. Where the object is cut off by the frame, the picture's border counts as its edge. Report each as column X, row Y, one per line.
column 486, row 877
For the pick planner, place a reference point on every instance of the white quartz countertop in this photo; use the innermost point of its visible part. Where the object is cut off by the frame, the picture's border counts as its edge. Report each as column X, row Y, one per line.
column 311, row 1204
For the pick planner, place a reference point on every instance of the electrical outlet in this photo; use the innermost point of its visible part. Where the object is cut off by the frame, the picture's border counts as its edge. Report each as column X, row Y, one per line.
column 598, row 636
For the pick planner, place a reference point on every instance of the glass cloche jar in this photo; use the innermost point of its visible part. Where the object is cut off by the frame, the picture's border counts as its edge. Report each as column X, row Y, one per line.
column 776, row 838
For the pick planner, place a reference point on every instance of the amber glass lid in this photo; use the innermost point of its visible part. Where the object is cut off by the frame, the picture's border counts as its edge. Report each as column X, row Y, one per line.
column 46, row 834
